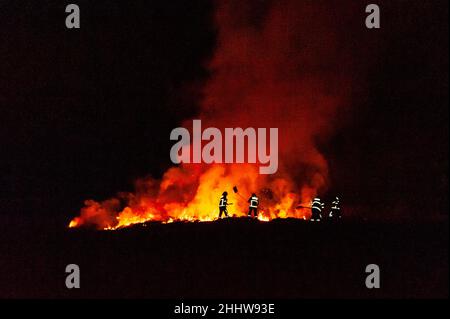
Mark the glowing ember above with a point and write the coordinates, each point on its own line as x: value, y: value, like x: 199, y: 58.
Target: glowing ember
x: 74, y: 222
x: 263, y: 218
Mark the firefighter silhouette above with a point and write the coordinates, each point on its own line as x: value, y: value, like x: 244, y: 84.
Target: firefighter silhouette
x: 253, y: 205
x: 223, y: 203
x: 316, y: 208
x: 335, y: 212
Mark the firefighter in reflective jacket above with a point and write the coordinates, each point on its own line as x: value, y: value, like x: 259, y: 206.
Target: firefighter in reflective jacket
x: 335, y: 212
x: 223, y: 203
x: 253, y: 205
x: 316, y: 208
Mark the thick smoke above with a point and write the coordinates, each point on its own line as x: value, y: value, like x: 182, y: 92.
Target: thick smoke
x: 284, y: 65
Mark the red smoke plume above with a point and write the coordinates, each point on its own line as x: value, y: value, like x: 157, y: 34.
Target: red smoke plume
x: 277, y: 64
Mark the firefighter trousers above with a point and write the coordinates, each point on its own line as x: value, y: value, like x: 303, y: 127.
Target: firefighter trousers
x: 223, y: 210
x: 315, y: 214
x: 252, y: 210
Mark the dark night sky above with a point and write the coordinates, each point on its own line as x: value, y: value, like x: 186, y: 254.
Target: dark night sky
x: 85, y: 112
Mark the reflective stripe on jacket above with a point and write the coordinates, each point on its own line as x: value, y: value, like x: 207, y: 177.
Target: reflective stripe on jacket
x: 254, y: 201
x: 223, y: 202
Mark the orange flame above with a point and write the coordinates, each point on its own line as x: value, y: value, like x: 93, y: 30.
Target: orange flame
x: 190, y: 193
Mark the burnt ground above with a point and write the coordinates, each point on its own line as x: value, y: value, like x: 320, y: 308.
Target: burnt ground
x: 235, y: 258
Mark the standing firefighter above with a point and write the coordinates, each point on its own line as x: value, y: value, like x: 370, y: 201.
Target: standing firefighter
x: 223, y: 203
x: 253, y: 205
x: 335, y: 212
x: 316, y: 208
